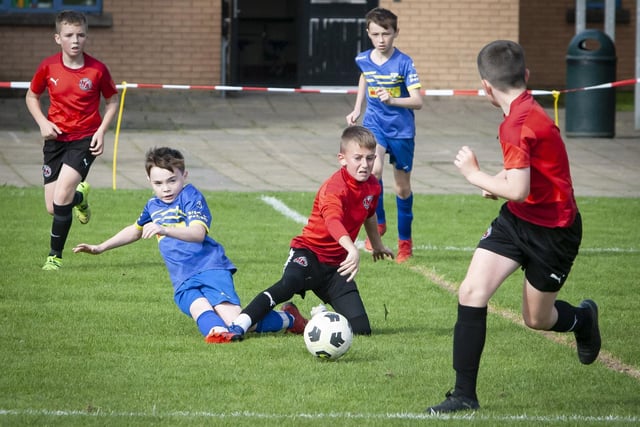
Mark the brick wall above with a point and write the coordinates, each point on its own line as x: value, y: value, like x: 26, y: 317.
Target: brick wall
x: 157, y: 41
x: 444, y: 37
x: 152, y: 41
x: 545, y: 34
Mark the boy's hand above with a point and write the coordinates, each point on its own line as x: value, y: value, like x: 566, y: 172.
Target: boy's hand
x: 97, y: 144
x: 380, y: 253
x: 151, y: 229
x: 383, y: 95
x: 352, y: 118
x: 350, y: 265
x: 49, y: 131
x: 466, y: 162
x: 488, y: 195
x: 90, y: 249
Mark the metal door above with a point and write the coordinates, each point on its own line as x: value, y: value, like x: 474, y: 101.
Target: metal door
x: 293, y: 42
x: 332, y: 33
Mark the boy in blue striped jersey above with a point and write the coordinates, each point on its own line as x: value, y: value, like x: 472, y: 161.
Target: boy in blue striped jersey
x: 201, y: 274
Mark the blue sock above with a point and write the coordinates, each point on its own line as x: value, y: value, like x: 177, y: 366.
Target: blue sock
x: 382, y: 217
x: 405, y: 217
x: 208, y: 320
x: 273, y: 321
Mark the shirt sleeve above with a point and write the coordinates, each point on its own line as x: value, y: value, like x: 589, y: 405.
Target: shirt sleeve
x: 39, y: 81
x: 516, y: 156
x: 197, y: 210
x: 144, y: 217
x: 332, y: 212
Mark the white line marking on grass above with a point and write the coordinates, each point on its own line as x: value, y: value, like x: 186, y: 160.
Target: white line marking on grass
x: 606, y: 358
x: 470, y: 417
x: 471, y: 249
x: 284, y: 209
x: 566, y: 339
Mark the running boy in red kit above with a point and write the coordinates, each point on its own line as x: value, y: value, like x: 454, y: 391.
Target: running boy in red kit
x: 538, y: 229
x: 324, y: 258
x: 73, y: 130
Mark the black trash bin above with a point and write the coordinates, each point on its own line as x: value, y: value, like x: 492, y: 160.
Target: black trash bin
x: 591, y: 60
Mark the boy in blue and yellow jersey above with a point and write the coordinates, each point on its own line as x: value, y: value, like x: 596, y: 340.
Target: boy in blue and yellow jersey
x: 201, y: 274
x: 390, y: 83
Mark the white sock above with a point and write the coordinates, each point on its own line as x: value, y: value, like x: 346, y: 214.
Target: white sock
x: 244, y: 321
x: 218, y: 329
x: 287, y: 319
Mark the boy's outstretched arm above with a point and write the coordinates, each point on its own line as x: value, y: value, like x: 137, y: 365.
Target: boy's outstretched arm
x: 97, y: 141
x: 510, y: 184
x: 412, y: 102
x: 352, y: 117
x: 125, y: 236
x: 48, y: 130
x: 195, y: 232
x: 379, y: 250
x: 351, y: 264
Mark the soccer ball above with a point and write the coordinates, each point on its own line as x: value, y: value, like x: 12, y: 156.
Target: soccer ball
x: 328, y: 335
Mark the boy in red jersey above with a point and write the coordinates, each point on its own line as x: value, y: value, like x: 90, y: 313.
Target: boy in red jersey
x: 73, y: 130
x: 324, y: 258
x: 539, y: 228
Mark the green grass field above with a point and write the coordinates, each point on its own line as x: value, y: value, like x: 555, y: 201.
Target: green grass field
x: 101, y: 342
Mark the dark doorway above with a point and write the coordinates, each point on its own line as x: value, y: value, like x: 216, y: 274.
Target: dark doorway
x: 332, y: 34
x: 290, y: 43
x: 263, y: 41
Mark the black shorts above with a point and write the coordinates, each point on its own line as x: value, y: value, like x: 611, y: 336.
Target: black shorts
x: 545, y: 254
x: 75, y: 154
x: 303, y: 272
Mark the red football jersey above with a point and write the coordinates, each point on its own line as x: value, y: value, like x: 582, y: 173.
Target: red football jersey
x: 341, y: 206
x: 530, y: 139
x: 74, y: 95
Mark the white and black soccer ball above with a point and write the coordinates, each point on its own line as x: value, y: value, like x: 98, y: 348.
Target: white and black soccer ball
x: 328, y: 335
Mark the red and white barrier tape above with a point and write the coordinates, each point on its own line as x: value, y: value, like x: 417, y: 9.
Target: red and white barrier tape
x: 427, y: 92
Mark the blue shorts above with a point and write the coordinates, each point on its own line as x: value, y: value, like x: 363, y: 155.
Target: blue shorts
x: 214, y: 285
x: 400, y: 151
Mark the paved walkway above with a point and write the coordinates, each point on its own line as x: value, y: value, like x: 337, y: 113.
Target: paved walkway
x: 276, y: 141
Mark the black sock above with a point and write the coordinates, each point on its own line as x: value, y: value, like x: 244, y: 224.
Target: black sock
x: 259, y: 307
x: 468, y: 342
x: 77, y: 198
x: 60, y: 227
x: 570, y: 318
x: 567, y: 317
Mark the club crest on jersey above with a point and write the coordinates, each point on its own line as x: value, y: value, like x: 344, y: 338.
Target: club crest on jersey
x: 85, y: 84
x: 301, y: 260
x: 367, y: 202
x: 486, y: 233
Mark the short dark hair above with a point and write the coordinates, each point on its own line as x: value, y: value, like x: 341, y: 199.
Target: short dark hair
x: 72, y: 17
x: 359, y: 134
x: 382, y: 17
x: 164, y: 158
x: 502, y: 64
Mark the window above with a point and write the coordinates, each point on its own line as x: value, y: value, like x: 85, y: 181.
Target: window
x: 599, y: 4
x: 49, y: 6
